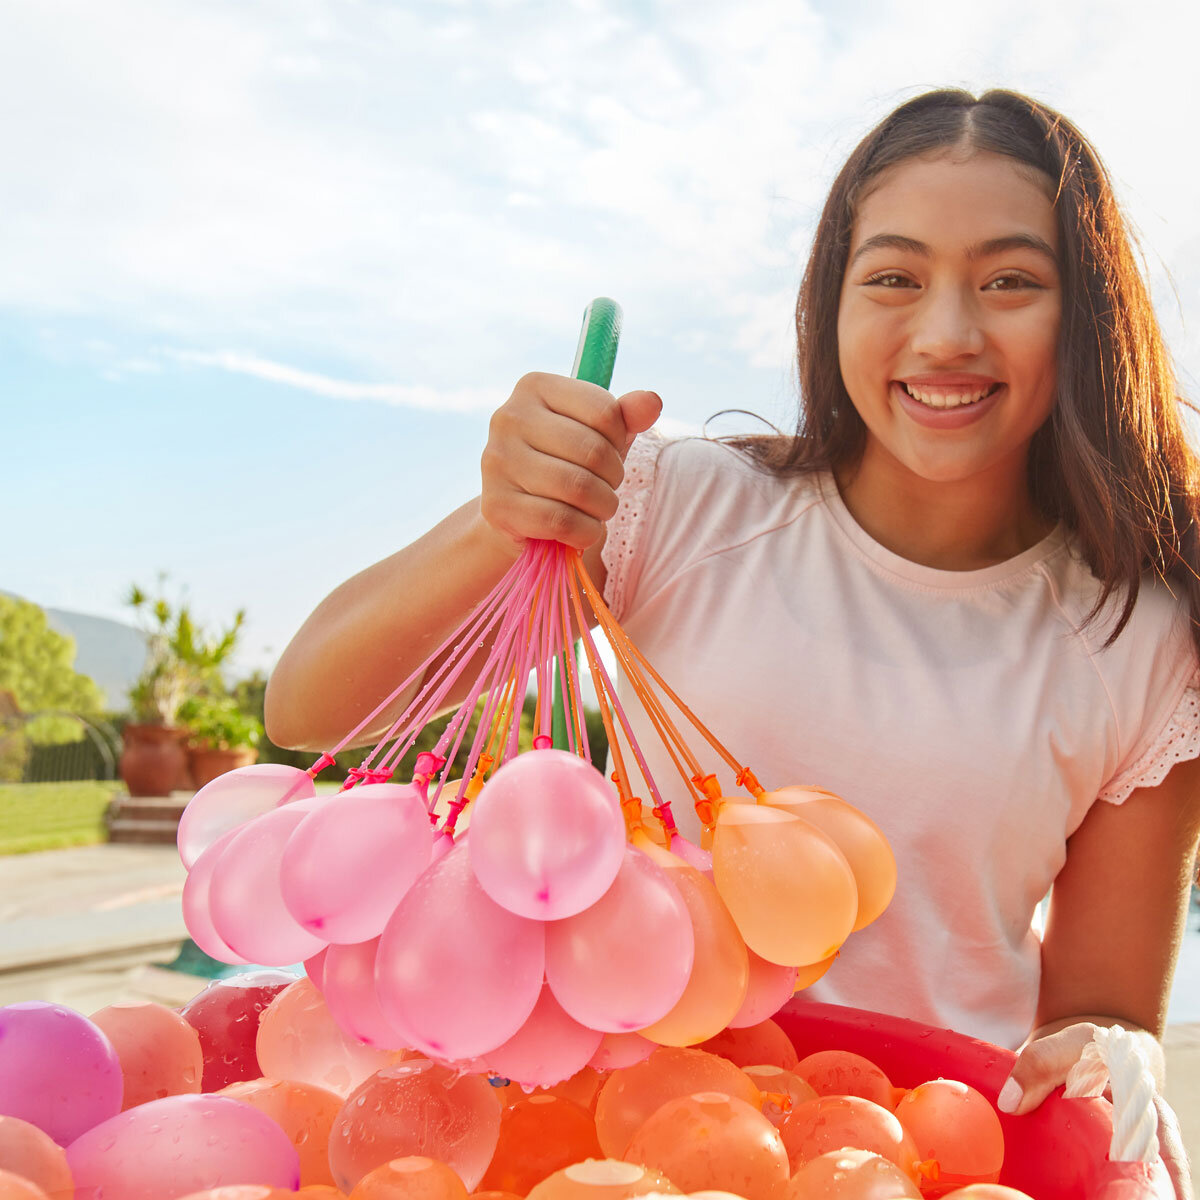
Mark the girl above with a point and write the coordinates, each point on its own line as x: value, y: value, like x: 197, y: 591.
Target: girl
x: 965, y: 595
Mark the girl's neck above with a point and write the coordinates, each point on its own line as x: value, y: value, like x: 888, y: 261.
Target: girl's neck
x: 963, y: 525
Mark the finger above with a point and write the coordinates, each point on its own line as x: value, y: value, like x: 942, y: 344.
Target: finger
x: 639, y: 410
x: 581, y: 401
x: 568, y: 483
x: 570, y: 442
x: 1042, y: 1066
x: 523, y: 516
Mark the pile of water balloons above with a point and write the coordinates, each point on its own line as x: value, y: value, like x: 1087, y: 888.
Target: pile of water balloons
x: 251, y: 1092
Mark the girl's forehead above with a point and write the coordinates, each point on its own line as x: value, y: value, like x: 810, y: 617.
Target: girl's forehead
x: 956, y: 199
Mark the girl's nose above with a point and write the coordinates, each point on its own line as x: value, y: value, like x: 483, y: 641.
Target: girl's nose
x: 946, y: 326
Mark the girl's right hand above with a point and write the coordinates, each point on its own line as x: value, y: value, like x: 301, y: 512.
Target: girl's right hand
x: 555, y: 458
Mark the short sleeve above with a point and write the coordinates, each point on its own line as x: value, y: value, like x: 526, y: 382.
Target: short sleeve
x: 1177, y: 741
x: 622, y: 544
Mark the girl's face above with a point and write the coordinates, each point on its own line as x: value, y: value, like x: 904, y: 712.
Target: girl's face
x: 949, y: 315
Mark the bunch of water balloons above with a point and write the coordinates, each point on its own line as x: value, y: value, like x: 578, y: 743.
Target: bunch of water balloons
x: 512, y: 947
x: 251, y: 1092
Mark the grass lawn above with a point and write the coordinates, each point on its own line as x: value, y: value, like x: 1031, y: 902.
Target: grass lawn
x: 48, y: 816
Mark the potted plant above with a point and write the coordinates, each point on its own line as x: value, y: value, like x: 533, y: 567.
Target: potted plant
x: 220, y: 736
x: 182, y: 660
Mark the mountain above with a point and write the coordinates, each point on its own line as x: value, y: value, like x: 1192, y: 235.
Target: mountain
x: 110, y: 652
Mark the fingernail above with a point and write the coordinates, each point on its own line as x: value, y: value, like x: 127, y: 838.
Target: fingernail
x: 1010, y: 1096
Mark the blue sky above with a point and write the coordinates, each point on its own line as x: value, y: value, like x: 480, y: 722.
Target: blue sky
x: 266, y: 267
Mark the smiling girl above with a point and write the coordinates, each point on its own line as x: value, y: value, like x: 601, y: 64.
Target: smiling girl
x: 965, y: 595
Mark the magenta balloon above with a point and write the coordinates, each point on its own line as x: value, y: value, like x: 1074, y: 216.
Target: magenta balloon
x: 197, y: 915
x: 621, y: 1050
x: 168, y: 1148
x: 349, y: 863
x: 771, y: 987
x: 623, y: 963
x: 349, y: 987
x: 247, y: 908
x: 234, y: 798
x: 58, y: 1071
x: 547, y: 1049
x: 455, y: 971
x: 547, y: 835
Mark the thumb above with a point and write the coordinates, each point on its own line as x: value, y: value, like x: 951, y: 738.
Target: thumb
x: 640, y: 410
x: 1042, y: 1066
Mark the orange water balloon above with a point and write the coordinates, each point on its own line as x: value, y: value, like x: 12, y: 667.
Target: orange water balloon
x: 755, y: 1046
x: 849, y: 1174
x: 583, y: 1087
x: 844, y: 1073
x: 988, y: 1191
x: 17, y: 1187
x: 494, y: 1195
x: 619, y: 1050
x: 789, y: 888
x: 28, y: 1152
x: 539, y: 1136
x: 415, y: 1107
x: 953, y: 1123
x: 781, y: 1091
x: 808, y: 975
x: 303, y: 1111
x: 412, y: 1178
x: 857, y: 837
x: 712, y: 1141
x: 159, y: 1051
x: 629, y: 1096
x: 319, y: 1191
x: 602, y: 1179
x: 832, y: 1122
x: 720, y: 973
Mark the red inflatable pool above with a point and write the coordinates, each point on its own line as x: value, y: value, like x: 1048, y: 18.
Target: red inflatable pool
x: 1057, y: 1152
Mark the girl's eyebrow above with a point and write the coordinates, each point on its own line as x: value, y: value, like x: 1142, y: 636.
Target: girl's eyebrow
x: 996, y: 245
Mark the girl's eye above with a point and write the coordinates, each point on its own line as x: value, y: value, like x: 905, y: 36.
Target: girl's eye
x: 887, y: 279
x: 1011, y: 283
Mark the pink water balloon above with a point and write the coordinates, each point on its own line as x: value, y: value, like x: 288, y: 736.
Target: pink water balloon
x: 58, y: 1071
x: 298, y: 1039
x: 182, y: 1144
x: 455, y: 971
x: 547, y: 835
x: 234, y: 798
x: 416, y: 1108
x: 314, y: 968
x: 771, y: 986
x: 159, y: 1051
x: 197, y: 915
x: 593, y: 967
x: 347, y: 865
x: 244, y: 899
x: 547, y: 1049
x: 348, y: 984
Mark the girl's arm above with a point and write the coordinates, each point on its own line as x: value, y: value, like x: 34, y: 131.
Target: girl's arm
x: 1117, y: 917
x: 550, y: 470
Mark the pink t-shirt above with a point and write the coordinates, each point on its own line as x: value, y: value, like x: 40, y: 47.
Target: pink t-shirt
x: 964, y: 711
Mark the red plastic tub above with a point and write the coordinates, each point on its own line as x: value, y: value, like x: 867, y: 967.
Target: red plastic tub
x: 1057, y: 1152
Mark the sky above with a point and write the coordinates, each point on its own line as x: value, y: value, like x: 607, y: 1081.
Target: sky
x: 268, y: 266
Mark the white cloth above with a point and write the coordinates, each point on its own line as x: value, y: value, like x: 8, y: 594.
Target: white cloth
x: 965, y: 712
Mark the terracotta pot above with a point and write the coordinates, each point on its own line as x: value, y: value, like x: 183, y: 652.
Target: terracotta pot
x: 152, y: 759
x: 206, y: 764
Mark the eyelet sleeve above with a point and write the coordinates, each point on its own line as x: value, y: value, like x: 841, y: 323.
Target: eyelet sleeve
x: 622, y: 543
x: 1177, y: 741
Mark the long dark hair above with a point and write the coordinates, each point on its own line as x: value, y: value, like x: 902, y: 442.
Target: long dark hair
x: 1112, y: 463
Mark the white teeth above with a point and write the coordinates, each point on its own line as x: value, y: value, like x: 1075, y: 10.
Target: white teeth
x: 945, y: 399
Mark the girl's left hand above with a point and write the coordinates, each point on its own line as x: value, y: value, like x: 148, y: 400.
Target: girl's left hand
x: 1043, y: 1064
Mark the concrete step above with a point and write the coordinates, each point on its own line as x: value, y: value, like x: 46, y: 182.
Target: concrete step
x: 146, y: 820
